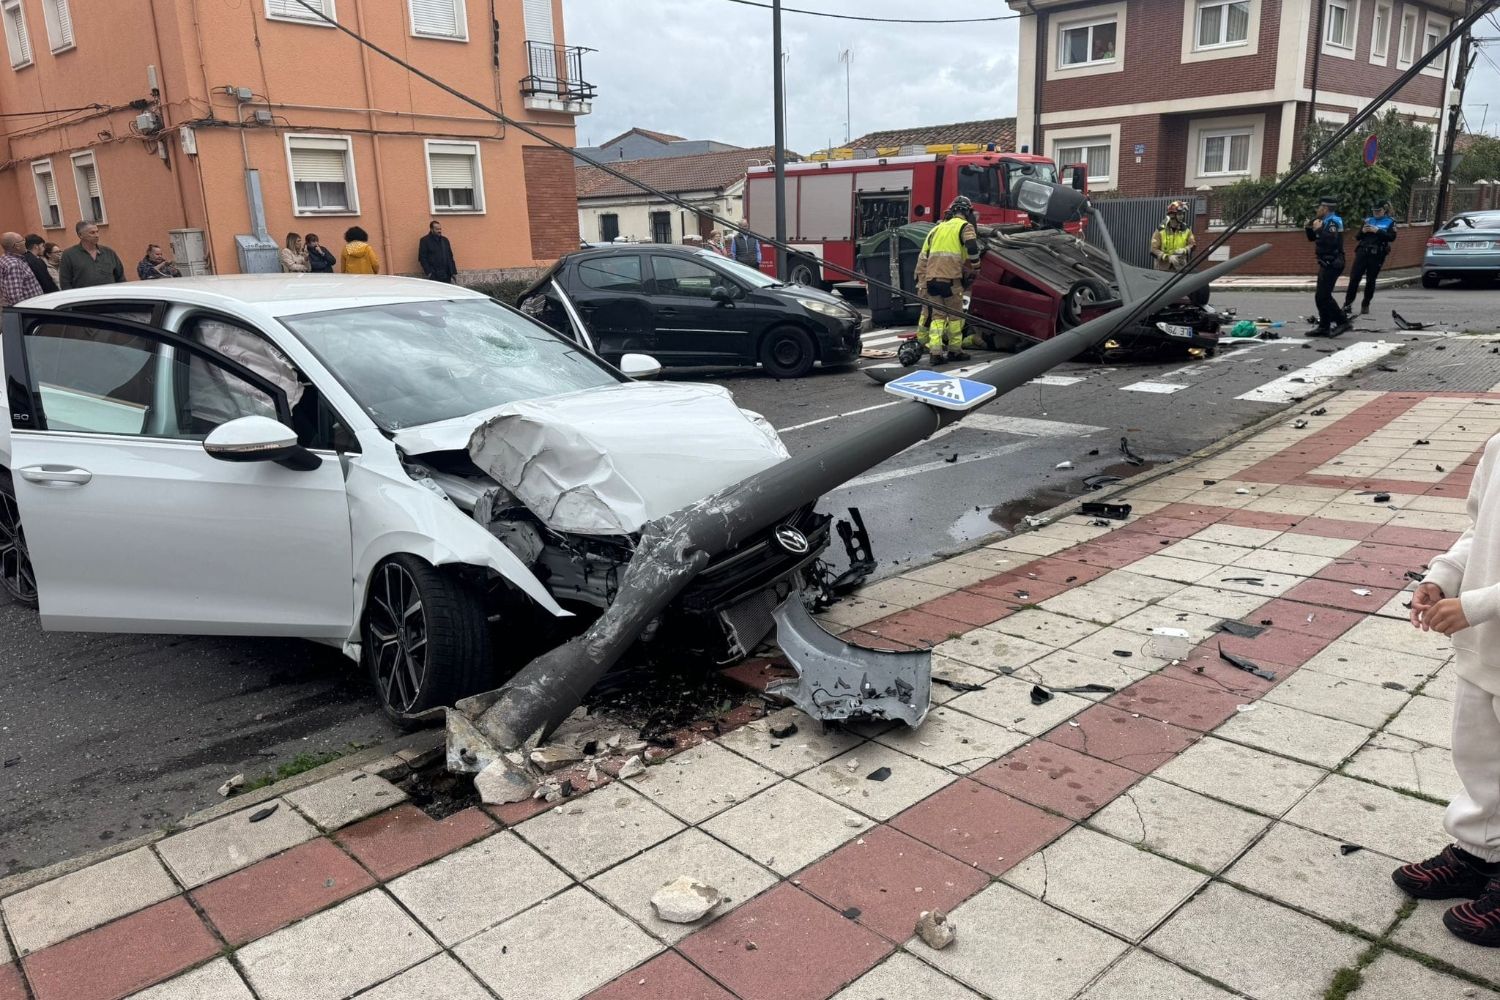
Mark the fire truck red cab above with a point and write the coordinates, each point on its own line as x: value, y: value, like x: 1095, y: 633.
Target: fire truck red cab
x: 833, y: 203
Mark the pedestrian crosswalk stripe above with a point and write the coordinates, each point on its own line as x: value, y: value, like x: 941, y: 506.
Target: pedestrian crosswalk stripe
x: 1164, y: 388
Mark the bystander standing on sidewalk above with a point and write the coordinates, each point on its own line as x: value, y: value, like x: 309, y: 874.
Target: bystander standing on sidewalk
x: 155, y: 265
x: 435, y: 255
x: 293, y: 256
x: 17, y: 282
x: 744, y: 248
x: 52, y: 254
x: 320, y: 259
x: 358, y: 256
x: 89, y: 263
x: 1460, y: 597
x: 36, y: 260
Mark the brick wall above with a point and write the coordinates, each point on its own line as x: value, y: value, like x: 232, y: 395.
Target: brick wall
x: 1291, y: 253
x: 551, y: 202
x: 1154, y: 70
x: 1359, y: 76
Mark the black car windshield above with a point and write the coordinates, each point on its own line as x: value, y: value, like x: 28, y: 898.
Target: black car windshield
x: 741, y: 272
x: 411, y: 363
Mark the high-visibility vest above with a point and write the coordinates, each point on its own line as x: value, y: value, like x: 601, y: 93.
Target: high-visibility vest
x: 1173, y: 240
x: 947, y: 238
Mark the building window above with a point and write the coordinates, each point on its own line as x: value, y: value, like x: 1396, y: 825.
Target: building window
x: 1223, y: 22
x: 439, y: 19
x: 1408, y: 51
x: 538, y: 19
x: 1222, y: 153
x: 291, y: 10
x: 90, y: 196
x: 59, y: 24
x: 1339, y: 21
x: 1433, y: 36
x: 1086, y: 44
x: 1380, y: 34
x: 455, y: 177
x: 609, y: 227
x: 1096, y: 151
x: 16, y: 38
x: 661, y: 227
x: 322, y: 169
x: 46, y: 194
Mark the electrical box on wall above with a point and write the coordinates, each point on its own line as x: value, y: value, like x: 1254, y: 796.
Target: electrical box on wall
x: 189, y: 140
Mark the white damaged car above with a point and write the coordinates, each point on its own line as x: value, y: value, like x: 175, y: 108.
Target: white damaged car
x: 408, y: 470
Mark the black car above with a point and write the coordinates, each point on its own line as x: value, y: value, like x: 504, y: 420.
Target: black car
x: 687, y: 306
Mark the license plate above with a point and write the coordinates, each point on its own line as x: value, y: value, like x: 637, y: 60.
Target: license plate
x: 1474, y: 245
x: 1174, y: 330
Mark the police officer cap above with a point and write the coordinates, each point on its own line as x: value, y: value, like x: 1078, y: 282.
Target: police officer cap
x: 1328, y: 200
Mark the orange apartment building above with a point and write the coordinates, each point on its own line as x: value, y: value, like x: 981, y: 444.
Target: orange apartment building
x: 159, y: 119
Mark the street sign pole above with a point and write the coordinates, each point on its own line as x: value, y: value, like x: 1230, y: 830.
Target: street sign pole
x: 1455, y: 116
x: 778, y: 85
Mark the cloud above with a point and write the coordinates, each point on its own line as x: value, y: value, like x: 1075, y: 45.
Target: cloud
x: 702, y: 68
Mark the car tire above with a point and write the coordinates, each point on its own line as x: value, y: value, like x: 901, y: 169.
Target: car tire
x: 16, y: 575
x: 426, y: 638
x: 787, y: 352
x: 803, y: 271
x: 1430, y: 279
x: 1079, y: 296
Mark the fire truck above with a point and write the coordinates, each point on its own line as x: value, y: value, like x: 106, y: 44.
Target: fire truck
x: 837, y: 199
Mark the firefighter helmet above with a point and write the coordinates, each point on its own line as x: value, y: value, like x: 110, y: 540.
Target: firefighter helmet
x: 961, y: 206
x: 1177, y: 207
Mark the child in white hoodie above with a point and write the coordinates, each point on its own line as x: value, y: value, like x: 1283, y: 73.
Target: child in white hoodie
x: 1460, y: 597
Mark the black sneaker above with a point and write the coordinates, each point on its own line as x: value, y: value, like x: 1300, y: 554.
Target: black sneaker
x: 1321, y: 331
x: 937, y: 359
x: 958, y: 356
x: 1364, y: 309
x: 1453, y: 874
x: 1343, y: 327
x: 1477, y: 922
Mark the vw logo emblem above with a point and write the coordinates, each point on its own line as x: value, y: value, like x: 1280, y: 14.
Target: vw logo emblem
x: 792, y: 540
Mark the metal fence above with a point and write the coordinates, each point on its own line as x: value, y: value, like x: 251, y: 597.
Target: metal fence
x: 1131, y: 222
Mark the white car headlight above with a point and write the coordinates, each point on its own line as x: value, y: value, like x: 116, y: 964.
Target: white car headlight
x: 824, y: 308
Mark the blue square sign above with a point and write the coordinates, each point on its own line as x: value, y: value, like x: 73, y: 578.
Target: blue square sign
x: 951, y: 392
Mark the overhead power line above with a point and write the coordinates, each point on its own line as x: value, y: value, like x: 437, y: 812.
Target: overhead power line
x: 52, y: 111
x: 880, y: 20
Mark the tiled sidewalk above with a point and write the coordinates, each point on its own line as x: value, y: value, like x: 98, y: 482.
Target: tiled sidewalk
x: 1182, y: 836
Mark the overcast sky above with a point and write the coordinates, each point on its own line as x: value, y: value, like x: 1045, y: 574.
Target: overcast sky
x: 702, y: 69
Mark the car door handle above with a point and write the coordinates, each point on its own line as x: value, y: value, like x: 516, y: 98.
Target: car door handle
x: 52, y: 475
x: 666, y: 311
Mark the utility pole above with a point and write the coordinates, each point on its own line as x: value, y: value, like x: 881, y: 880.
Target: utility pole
x: 847, y: 57
x: 778, y: 84
x: 1455, y: 114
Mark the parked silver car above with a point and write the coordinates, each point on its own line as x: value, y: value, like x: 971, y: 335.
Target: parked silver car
x: 1467, y: 247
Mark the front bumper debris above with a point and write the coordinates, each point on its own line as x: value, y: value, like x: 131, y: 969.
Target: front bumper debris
x: 837, y: 681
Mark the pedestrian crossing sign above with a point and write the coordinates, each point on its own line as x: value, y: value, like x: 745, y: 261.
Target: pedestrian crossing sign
x: 951, y: 392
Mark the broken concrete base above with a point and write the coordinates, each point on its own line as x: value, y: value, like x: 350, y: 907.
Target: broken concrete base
x: 502, y: 783
x: 685, y: 900
x: 934, y: 929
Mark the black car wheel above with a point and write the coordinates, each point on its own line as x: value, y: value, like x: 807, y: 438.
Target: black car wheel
x: 426, y: 638
x: 1082, y: 294
x: 787, y: 352
x: 1430, y: 279
x: 801, y: 271
x: 16, y: 574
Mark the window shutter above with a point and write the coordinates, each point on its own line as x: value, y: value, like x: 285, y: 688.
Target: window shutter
x: 91, y: 177
x: 452, y: 170
x: 291, y: 8
x: 436, y: 17
x: 15, y: 35
x: 539, y: 22
x: 319, y: 160
x: 49, y: 186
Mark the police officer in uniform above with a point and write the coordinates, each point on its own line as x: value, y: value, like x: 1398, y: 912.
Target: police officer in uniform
x: 950, y: 257
x: 1326, y: 233
x: 1372, y: 244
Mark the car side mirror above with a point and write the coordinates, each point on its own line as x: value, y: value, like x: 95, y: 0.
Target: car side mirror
x: 259, y: 439
x: 640, y: 366
x: 722, y: 295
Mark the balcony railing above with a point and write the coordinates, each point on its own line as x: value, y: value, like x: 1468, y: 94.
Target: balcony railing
x: 555, y: 72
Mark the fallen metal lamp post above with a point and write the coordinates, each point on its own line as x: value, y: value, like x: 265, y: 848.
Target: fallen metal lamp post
x: 674, y: 550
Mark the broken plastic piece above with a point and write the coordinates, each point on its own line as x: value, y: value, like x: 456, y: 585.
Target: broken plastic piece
x: 838, y: 681
x: 265, y: 813
x: 1123, y: 653
x: 1240, y: 629
x: 1320, y: 411
x: 1420, y: 441
x: 879, y: 774
x: 1362, y: 591
x: 1382, y: 498
x: 780, y: 731
x: 1297, y: 425
x: 1063, y: 465
x: 1254, y: 581
x: 1040, y: 695
x: 1248, y: 666
x: 1130, y: 456
x: 1113, y: 511
x: 1402, y: 323
x: 1348, y: 849
x: 957, y: 685
x: 1086, y: 689
x: 1099, y: 482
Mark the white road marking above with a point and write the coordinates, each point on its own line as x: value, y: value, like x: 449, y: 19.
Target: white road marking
x: 1299, y: 383
x: 937, y: 466
x: 1057, y: 380
x: 1023, y: 426
x: 1163, y: 388
x: 839, y: 416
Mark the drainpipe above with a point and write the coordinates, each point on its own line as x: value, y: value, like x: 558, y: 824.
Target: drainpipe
x: 1039, y: 75
x: 1312, y: 108
x: 385, y: 227
x: 162, y: 110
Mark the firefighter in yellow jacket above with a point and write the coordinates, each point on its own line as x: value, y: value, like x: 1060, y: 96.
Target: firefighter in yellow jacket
x: 949, y: 258
x: 1173, y: 243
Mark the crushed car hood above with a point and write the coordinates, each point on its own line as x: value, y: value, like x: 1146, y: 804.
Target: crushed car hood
x: 608, y: 461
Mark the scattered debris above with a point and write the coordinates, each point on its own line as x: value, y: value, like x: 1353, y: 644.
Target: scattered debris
x: 1099, y: 482
x: 1168, y: 644
x: 1382, y: 498
x: 1040, y: 695
x: 1320, y: 411
x: 231, y: 786
x: 1402, y: 323
x: 1123, y: 653
x: 1248, y: 666
x: 1112, y: 511
x: 1246, y: 708
x: 879, y: 774
x: 555, y: 758
x: 1393, y: 686
x: 1297, y: 425
x: 1210, y: 482
x: 1362, y: 591
x: 851, y: 913
x: 1086, y: 689
x: 1240, y: 629
x: 503, y: 782
x: 1440, y: 468
x: 1420, y: 441
x: 1348, y: 849
x: 957, y: 685
x: 1063, y: 465
x: 632, y: 767
x: 1093, y: 452
x: 1243, y: 491
x: 1254, y: 581
x: 934, y: 928
x: 781, y: 730
x: 685, y: 900
x: 1385, y: 368
x: 265, y: 813
x: 951, y: 458
x: 1130, y: 456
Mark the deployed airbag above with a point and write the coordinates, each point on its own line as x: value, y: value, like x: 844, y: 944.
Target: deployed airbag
x: 607, y: 461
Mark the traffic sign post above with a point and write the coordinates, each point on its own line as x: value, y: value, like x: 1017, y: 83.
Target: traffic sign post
x: 951, y: 392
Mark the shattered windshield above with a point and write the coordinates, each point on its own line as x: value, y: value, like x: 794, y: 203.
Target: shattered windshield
x: 413, y: 363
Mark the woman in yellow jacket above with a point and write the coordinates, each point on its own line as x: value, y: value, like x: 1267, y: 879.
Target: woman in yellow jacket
x: 358, y: 257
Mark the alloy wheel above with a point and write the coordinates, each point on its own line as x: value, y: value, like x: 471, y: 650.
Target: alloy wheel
x: 398, y: 638
x: 16, y: 574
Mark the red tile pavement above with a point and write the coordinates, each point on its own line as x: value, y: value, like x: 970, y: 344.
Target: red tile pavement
x: 257, y: 900
x: 1100, y: 554
x: 120, y: 958
x: 1125, y: 540
x: 1326, y: 623
x: 1017, y: 590
x: 668, y: 976
x: 917, y: 628
x: 1167, y: 527
x: 1192, y: 706
x: 402, y: 838
x: 1329, y: 527
x: 1418, y: 538
x: 1373, y: 551
x: 1282, y: 647
x: 1197, y: 512
x: 785, y: 945
x: 1058, y: 571
x: 1391, y: 576
x: 1138, y: 743
x: 869, y: 640
x: 1337, y: 594
x: 1204, y: 667
x: 971, y: 609
x: 980, y: 826
x: 11, y: 986
x: 1057, y: 778
x: 519, y: 812
x: 889, y: 878
x: 758, y: 673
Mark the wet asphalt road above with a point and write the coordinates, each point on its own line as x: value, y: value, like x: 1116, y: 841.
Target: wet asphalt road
x: 105, y: 737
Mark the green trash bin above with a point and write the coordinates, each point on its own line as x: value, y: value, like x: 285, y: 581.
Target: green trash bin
x: 874, y: 260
